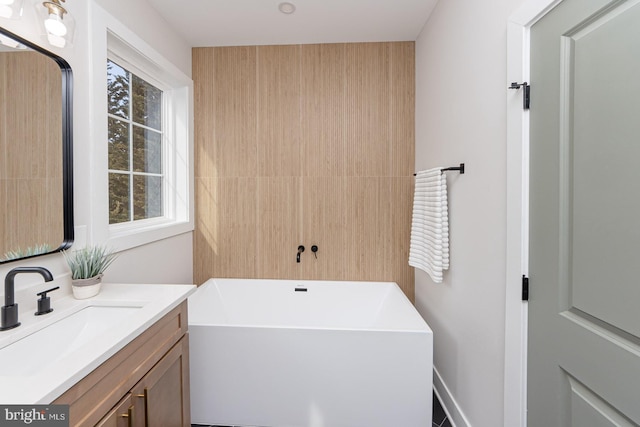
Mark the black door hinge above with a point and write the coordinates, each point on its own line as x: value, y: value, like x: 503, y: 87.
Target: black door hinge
x: 526, y: 93
x: 525, y: 288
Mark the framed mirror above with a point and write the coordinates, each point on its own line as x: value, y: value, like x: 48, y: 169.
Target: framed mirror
x: 36, y: 158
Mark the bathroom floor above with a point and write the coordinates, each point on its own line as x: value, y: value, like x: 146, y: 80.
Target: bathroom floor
x: 439, y: 416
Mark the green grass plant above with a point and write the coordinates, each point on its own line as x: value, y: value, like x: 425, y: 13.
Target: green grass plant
x: 90, y: 261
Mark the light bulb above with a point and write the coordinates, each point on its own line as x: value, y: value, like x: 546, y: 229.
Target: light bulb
x: 5, y: 11
x: 57, y: 41
x: 9, y: 42
x: 55, y: 26
x: 7, y: 2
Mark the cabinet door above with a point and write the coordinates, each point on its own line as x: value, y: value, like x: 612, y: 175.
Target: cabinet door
x: 166, y: 389
x: 122, y: 415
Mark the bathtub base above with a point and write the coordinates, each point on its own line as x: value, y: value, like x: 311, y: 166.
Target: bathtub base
x: 295, y: 377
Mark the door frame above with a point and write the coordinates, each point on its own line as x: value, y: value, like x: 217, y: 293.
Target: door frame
x: 517, y: 260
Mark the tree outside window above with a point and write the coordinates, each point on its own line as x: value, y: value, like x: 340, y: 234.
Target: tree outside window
x: 135, y: 139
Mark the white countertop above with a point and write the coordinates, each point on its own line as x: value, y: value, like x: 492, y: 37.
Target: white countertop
x: 43, y: 384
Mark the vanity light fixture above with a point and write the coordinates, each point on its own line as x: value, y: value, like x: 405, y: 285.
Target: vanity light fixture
x: 58, y: 23
x: 11, y: 9
x: 287, y: 8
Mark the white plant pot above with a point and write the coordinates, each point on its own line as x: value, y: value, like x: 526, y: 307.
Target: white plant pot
x: 86, y: 288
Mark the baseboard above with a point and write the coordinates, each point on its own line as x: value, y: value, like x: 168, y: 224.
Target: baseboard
x: 449, y: 404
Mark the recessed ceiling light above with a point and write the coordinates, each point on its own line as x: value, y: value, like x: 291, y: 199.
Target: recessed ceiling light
x: 287, y: 8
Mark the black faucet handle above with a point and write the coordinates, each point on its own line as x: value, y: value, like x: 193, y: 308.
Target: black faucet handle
x: 44, y: 303
x: 43, y: 294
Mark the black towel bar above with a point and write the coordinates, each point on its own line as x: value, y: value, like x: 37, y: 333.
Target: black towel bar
x: 452, y: 168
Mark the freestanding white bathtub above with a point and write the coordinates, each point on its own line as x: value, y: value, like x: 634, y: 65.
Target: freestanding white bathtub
x: 280, y: 353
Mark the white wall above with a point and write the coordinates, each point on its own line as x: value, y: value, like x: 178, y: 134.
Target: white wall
x: 461, y: 117
x: 166, y: 261
x: 140, y: 17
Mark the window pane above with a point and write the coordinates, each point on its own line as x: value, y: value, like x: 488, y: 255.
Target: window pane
x: 118, y: 198
x: 135, y: 147
x: 118, y: 145
x: 147, y: 197
x: 147, y: 104
x: 118, y: 89
x: 147, y: 150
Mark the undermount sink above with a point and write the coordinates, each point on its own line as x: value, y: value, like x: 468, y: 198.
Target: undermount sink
x: 44, y: 347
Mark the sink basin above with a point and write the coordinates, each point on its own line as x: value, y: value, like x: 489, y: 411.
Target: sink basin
x: 44, y: 347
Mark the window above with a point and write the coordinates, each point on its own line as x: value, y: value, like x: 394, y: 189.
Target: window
x: 136, y: 145
x: 142, y: 157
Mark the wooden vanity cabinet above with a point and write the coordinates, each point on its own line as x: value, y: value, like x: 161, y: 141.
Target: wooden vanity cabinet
x: 144, y: 384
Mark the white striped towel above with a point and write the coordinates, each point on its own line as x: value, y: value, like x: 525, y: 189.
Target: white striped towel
x: 429, y: 247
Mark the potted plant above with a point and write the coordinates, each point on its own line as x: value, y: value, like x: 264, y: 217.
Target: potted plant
x: 87, y: 266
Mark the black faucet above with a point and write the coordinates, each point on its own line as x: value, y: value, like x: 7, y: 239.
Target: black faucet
x: 9, y: 310
x: 300, y: 250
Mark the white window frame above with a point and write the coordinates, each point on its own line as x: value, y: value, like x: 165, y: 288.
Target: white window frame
x: 167, y: 172
x: 116, y: 42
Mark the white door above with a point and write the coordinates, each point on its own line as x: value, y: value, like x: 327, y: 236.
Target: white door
x: 584, y: 307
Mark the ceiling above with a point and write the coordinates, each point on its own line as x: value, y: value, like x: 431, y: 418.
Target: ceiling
x: 259, y: 22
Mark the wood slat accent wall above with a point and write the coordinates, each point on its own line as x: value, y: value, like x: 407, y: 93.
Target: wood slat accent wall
x: 30, y: 151
x: 304, y: 144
